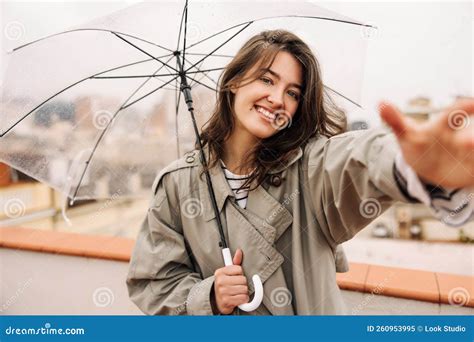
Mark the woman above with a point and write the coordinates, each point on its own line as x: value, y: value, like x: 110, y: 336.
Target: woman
x: 289, y: 186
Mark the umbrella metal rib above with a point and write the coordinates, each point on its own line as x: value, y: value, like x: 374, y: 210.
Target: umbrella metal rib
x: 344, y: 97
x: 163, y: 75
x: 181, y: 72
x: 89, y: 29
x: 221, y: 45
x: 204, y: 72
x: 146, y: 53
x: 121, y: 35
x: 110, y: 122
x: 95, y: 76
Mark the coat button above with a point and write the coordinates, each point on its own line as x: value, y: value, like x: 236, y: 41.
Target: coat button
x: 276, y: 180
x: 189, y: 157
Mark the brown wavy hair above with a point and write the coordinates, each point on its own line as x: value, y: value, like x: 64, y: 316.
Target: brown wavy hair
x: 316, y: 114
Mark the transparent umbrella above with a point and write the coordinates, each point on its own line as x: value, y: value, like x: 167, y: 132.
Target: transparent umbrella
x: 96, y: 111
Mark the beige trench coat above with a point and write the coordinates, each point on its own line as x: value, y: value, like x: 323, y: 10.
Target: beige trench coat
x: 289, y: 231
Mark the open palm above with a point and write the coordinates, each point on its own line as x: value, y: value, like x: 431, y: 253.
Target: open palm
x: 441, y: 151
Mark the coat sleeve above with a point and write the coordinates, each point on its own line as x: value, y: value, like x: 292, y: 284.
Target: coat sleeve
x: 350, y: 179
x: 161, y: 278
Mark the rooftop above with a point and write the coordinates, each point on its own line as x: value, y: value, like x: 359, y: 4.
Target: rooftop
x: 420, y: 287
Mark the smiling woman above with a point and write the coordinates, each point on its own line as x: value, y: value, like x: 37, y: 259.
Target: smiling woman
x: 260, y: 116
x: 286, y: 194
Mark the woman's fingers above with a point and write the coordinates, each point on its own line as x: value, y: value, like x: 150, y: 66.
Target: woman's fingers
x: 230, y: 290
x: 236, y: 290
x: 239, y: 299
x: 466, y: 105
x: 394, y: 118
x: 232, y: 270
x: 439, y: 150
x: 456, y: 117
x: 234, y: 280
x: 237, y: 260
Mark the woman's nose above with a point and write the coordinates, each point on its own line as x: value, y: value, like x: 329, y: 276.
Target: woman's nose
x: 276, y: 99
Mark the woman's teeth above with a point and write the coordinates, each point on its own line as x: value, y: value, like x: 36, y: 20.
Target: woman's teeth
x: 266, y: 113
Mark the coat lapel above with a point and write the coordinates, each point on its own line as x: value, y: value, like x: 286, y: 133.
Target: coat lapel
x: 260, y: 257
x: 274, y: 217
x: 255, y: 230
x: 269, y: 216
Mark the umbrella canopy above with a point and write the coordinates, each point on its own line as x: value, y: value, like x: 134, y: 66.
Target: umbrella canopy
x: 96, y: 111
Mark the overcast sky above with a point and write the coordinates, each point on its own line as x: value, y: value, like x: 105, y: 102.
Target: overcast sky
x: 421, y: 48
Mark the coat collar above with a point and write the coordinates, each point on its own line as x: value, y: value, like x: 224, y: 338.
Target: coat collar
x: 297, y: 154
x: 222, y: 190
x: 255, y: 229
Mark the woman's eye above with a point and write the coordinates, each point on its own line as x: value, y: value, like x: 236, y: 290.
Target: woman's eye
x: 294, y: 94
x: 266, y: 80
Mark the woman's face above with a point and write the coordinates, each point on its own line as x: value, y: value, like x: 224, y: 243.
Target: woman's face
x: 268, y: 104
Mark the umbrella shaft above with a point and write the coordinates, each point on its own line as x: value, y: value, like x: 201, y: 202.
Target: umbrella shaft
x: 186, y: 90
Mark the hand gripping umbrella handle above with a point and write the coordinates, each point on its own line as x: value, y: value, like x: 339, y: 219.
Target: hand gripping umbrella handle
x: 257, y: 284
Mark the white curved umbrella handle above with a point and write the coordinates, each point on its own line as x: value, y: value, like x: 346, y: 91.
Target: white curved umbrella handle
x: 257, y: 284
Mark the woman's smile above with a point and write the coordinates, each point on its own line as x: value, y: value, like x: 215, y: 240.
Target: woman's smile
x: 265, y: 114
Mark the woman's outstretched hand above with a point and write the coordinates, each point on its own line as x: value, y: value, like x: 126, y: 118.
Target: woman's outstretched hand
x: 440, y: 151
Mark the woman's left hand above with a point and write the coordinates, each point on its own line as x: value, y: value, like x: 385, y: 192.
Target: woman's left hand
x: 440, y: 151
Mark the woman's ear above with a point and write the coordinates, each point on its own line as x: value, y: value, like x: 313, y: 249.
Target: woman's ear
x: 233, y: 88
x: 235, y: 84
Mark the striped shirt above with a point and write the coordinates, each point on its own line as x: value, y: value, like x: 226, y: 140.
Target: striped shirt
x: 235, y: 182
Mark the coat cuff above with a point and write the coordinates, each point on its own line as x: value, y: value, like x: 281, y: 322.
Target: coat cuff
x: 198, y: 301
x: 452, y: 206
x: 408, y: 182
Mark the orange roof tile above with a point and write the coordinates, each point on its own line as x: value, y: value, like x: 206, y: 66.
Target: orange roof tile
x: 93, y: 246
x: 381, y: 280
